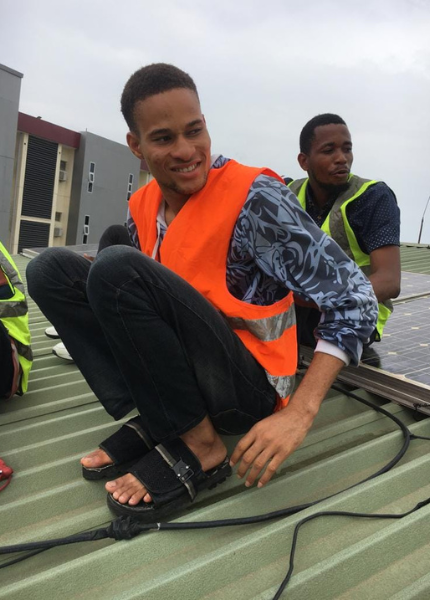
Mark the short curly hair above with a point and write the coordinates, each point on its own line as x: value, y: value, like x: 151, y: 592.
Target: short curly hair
x: 307, y: 134
x: 149, y: 81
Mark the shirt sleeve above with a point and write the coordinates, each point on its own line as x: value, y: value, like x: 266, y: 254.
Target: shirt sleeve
x: 132, y: 230
x: 289, y: 247
x: 375, y: 218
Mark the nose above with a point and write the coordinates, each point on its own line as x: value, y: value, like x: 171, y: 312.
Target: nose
x: 341, y: 157
x: 183, y: 148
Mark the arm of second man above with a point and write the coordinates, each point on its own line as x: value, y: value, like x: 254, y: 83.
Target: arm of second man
x: 385, y: 272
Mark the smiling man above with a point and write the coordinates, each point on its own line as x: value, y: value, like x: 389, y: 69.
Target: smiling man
x: 360, y: 214
x: 195, y: 326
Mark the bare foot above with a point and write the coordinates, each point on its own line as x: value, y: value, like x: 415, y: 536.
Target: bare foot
x: 96, y: 459
x: 202, y: 440
x: 206, y: 444
x: 128, y: 489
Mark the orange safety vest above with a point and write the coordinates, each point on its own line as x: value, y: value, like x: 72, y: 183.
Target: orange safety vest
x: 196, y: 247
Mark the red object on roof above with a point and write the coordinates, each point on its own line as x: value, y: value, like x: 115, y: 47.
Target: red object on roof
x: 5, y: 474
x: 48, y: 131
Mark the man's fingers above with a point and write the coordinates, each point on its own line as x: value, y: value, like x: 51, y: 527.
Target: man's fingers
x: 271, y: 469
x: 260, y: 461
x: 241, y: 447
x: 248, y: 459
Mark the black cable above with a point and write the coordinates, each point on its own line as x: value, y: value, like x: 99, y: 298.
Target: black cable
x: 21, y: 558
x: 126, y: 528
x: 419, y: 437
x: 337, y: 513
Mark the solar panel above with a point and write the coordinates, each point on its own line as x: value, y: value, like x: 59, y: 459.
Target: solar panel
x: 405, y: 346
x: 398, y: 367
x: 413, y: 285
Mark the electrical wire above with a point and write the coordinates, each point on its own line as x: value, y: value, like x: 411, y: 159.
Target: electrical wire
x: 127, y: 528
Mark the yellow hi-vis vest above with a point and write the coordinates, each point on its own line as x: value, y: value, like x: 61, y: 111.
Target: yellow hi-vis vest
x: 337, y: 226
x: 14, y: 316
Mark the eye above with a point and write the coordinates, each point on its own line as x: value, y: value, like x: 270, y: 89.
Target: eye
x: 162, y: 139
x: 196, y: 131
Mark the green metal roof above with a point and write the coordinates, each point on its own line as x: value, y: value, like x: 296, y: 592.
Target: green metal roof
x: 415, y: 258
x: 44, y: 433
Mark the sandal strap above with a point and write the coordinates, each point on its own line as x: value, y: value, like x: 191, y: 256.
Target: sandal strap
x: 167, y: 468
x: 128, y: 442
x: 183, y: 471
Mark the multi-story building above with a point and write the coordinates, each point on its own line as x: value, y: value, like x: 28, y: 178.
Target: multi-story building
x: 58, y: 187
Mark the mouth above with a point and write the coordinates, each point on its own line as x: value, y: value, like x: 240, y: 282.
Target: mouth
x: 341, y: 172
x: 188, y: 169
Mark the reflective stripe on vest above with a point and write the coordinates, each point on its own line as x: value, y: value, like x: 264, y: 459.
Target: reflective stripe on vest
x: 14, y: 316
x: 268, y: 332
x: 338, y: 227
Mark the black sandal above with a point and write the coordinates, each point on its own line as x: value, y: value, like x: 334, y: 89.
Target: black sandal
x: 124, y: 447
x: 173, y: 476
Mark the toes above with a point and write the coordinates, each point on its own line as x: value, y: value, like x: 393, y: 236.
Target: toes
x: 127, y: 489
x: 98, y: 458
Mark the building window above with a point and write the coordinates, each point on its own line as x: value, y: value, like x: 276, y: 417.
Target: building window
x: 62, y: 176
x: 91, y: 174
x: 130, y: 186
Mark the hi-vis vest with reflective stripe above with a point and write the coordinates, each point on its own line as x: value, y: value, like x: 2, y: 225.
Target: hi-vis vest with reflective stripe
x: 196, y: 247
x: 337, y: 226
x: 14, y: 316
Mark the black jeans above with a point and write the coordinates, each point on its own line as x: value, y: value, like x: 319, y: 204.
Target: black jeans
x: 144, y: 338
x: 114, y: 235
x: 6, y: 362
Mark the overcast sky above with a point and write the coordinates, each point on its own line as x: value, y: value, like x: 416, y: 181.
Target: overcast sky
x: 262, y: 69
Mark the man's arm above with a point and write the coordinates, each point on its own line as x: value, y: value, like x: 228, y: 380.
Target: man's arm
x: 289, y: 248
x: 273, y: 439
x: 385, y: 272
x: 292, y: 253
x: 375, y: 220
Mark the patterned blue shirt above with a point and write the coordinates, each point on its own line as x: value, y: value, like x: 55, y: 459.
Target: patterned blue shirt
x: 276, y: 248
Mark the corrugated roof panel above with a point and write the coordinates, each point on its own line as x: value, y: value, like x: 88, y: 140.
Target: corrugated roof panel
x: 43, y: 435
x: 415, y: 258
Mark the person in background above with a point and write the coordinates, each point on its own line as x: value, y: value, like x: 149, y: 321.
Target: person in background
x: 360, y: 214
x: 15, y: 350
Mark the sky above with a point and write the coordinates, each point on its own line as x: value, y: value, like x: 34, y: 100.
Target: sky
x: 263, y: 69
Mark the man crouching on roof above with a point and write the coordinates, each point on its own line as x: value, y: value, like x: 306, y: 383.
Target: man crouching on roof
x: 195, y: 325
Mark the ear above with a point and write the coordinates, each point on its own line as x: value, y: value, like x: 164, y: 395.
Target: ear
x: 134, y: 144
x: 303, y: 161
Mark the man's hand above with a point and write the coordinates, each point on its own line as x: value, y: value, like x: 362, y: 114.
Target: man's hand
x: 273, y: 439
x: 269, y: 442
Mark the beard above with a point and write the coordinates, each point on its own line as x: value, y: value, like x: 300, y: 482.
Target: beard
x: 332, y: 189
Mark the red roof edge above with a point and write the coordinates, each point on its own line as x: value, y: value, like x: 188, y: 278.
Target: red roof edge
x: 48, y: 131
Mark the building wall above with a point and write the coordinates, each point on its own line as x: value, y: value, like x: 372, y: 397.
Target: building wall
x: 99, y: 193
x: 42, y: 190
x: 10, y: 87
x: 49, y: 195
x: 62, y: 198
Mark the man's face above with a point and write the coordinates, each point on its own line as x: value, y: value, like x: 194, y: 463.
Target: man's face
x: 330, y: 158
x: 174, y: 141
